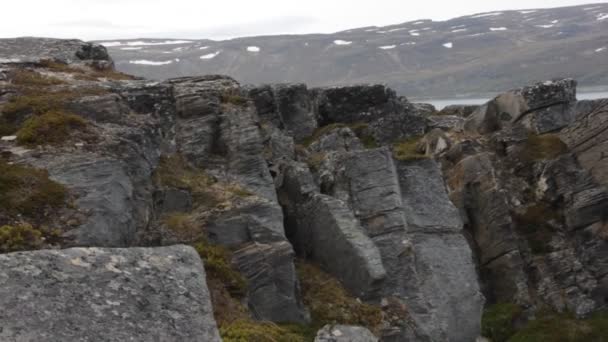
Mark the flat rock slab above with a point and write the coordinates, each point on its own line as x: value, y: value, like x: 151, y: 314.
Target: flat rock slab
x: 101, y: 294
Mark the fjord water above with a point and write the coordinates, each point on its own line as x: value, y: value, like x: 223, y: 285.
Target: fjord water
x: 441, y: 103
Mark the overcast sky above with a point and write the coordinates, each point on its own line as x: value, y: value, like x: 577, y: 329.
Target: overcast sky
x: 221, y: 19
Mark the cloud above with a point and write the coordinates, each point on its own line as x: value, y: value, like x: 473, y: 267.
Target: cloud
x: 277, y: 25
x: 112, y: 19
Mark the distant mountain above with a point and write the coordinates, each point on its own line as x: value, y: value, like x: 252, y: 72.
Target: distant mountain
x: 475, y: 54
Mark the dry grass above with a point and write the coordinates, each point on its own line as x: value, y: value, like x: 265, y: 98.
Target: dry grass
x: 408, y: 150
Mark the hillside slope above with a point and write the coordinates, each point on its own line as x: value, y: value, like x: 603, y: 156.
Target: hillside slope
x: 482, y: 53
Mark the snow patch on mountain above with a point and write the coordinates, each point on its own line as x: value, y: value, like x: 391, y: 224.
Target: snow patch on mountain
x: 342, y: 42
x: 210, y: 55
x: 147, y: 62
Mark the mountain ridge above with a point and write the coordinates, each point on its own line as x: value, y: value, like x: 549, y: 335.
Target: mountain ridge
x: 480, y: 53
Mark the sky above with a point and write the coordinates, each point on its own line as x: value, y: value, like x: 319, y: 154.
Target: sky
x: 221, y: 19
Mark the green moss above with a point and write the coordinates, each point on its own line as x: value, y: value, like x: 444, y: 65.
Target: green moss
x: 497, y: 322
x: 49, y: 128
x: 359, y: 128
x: 408, y: 149
x: 20, y: 237
x: 315, y: 160
x: 234, y: 99
x: 542, y: 147
x: 564, y: 328
x: 28, y: 191
x: 329, y: 302
x: 217, y: 266
x: 251, y: 331
x: 174, y: 171
x: 533, y: 225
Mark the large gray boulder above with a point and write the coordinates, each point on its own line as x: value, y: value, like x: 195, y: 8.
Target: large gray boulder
x: 404, y: 208
x: 96, y: 294
x: 324, y: 229
x: 587, y: 136
x: 511, y: 107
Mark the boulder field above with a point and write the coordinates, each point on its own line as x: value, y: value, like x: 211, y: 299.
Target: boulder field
x: 113, y: 188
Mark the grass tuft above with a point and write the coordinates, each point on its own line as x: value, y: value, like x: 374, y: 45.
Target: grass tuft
x: 330, y: 303
x: 251, y: 331
x: 50, y: 128
x: 542, y: 147
x: 28, y: 191
x: 408, y: 149
x: 218, y: 266
x: 21, y: 237
x: 564, y: 328
x: 497, y: 322
x: 359, y: 128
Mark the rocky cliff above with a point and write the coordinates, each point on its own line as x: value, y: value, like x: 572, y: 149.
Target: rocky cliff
x: 344, y: 207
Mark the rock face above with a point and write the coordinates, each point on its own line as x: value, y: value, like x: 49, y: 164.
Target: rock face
x: 534, y: 202
x: 418, y: 213
x: 135, y: 294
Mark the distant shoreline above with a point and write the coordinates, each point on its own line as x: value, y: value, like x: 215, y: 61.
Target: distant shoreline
x: 584, y: 93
